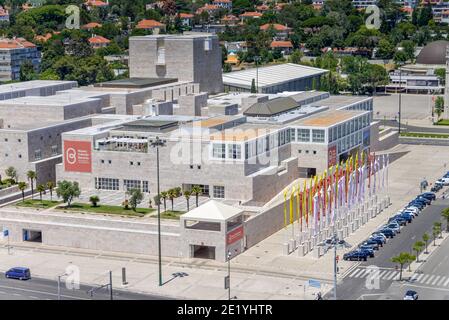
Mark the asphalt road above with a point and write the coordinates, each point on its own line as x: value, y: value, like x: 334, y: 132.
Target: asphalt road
x: 407, y: 128
x: 43, y: 289
x: 357, y: 283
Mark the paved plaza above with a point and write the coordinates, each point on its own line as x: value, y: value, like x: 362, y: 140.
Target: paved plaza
x: 413, y: 107
x: 261, y: 272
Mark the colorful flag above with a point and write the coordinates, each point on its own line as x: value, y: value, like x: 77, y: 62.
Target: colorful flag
x: 285, y: 208
x: 292, y: 195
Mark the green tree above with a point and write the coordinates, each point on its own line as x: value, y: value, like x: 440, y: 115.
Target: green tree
x: 68, y: 190
x: 27, y: 71
x: 296, y: 57
x: 417, y: 247
x: 439, y: 106
x: 435, y: 234
x: 94, y: 200
x: 136, y: 197
x: 41, y: 189
x: 402, y: 259
x: 196, y: 190
x: 164, y: 195
x: 171, y: 196
x: 426, y: 238
x: 441, y: 74
x: 157, y: 200
x: 385, y: 49
x: 11, y: 173
x: 22, y: 186
x: 50, y: 187
x: 439, y: 226
x: 445, y: 215
x: 31, y: 175
x: 253, y: 86
x: 187, y: 194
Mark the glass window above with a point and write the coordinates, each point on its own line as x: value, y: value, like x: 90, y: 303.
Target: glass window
x: 145, y: 187
x: 219, y: 192
x: 106, y: 183
x: 54, y: 150
x: 317, y: 135
x: 38, y: 154
x: 335, y: 134
x: 218, y: 150
x: 234, y: 151
x: 131, y: 184
x: 339, y: 131
x: 304, y: 135
x: 330, y: 135
x: 292, y: 134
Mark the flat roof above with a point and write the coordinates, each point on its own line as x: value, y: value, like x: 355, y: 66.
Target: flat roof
x: 54, y: 100
x: 271, y: 75
x: 244, y: 132
x: 336, y: 102
x: 33, y: 84
x: 135, y: 83
x: 328, y: 118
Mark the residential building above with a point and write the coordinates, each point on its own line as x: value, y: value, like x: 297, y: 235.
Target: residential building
x: 230, y: 20
x: 281, y: 32
x: 250, y: 15
x: 151, y: 25
x: 285, y: 47
x: 186, y: 19
x: 4, y: 15
x: 97, y: 42
x: 224, y: 4
x: 13, y: 53
x: 91, y: 25
x: 211, y: 9
x: 96, y: 4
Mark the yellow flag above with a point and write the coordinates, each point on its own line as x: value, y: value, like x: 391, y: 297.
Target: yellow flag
x: 285, y: 208
x: 292, y: 195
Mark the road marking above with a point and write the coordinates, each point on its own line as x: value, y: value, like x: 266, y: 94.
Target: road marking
x: 419, y: 277
x: 436, y: 280
x: 441, y: 281
x: 395, y: 273
x: 424, y: 278
x: 430, y: 279
x: 356, y: 271
x: 425, y: 287
x: 446, y: 283
x: 16, y: 294
x: 390, y: 275
x: 33, y: 297
x: 41, y: 292
x: 384, y: 272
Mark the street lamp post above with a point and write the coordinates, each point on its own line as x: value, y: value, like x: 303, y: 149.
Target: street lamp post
x: 335, y: 266
x: 229, y: 275
x: 156, y: 143
x: 257, y: 59
x: 59, y: 284
x: 400, y: 98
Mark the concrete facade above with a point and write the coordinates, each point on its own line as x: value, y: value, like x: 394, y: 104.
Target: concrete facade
x: 194, y: 58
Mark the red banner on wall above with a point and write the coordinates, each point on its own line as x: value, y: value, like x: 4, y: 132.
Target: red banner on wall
x: 332, y: 156
x: 234, y: 235
x: 78, y: 156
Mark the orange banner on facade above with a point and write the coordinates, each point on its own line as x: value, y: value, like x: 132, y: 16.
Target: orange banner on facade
x: 78, y: 156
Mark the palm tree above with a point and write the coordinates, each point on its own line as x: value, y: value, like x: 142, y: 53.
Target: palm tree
x: 417, y: 247
x: 402, y: 259
x: 31, y: 175
x: 22, y: 186
x: 187, y: 194
x: 50, y: 187
x: 426, y: 239
x: 196, y: 190
x: 94, y: 200
x: 445, y: 215
x: 435, y: 233
x: 171, y: 195
x: 164, y: 195
x: 439, y: 226
x: 40, y: 188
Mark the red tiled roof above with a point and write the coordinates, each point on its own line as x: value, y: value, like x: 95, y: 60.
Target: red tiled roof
x: 281, y: 44
x: 15, y: 43
x: 186, y: 15
x: 251, y: 14
x: 230, y: 17
x: 148, y: 24
x: 44, y: 38
x: 91, y: 25
x: 276, y: 26
x: 98, y: 39
x: 263, y: 7
x: 222, y: 1
x: 96, y: 3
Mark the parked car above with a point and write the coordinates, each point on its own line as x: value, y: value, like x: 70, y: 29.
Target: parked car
x: 356, y: 255
x: 379, y: 235
x: 372, y: 244
x: 20, y: 273
x: 368, y: 249
x: 379, y: 239
x: 407, y: 216
x: 394, y: 226
x: 429, y: 195
x: 420, y: 205
x: 412, y: 208
x: 387, y: 232
x: 425, y: 200
x: 445, y: 181
x: 399, y: 219
x: 411, y: 295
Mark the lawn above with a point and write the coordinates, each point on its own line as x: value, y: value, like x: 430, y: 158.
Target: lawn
x: 425, y: 135
x: 35, y: 203
x: 119, y: 210
x: 443, y: 122
x: 170, y: 214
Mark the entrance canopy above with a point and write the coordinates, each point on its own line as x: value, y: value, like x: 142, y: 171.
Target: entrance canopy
x: 212, y: 211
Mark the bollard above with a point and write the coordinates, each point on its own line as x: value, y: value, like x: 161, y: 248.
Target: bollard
x: 124, y: 282
x: 285, y: 249
x: 301, y: 250
x: 292, y: 244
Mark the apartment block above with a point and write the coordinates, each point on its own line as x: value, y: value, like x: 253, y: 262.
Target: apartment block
x: 15, y: 52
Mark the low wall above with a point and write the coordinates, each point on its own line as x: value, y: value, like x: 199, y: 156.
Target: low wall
x: 91, y: 232
x: 7, y: 191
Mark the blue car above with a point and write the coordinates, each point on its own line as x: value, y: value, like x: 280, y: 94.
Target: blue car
x: 425, y: 200
x: 387, y: 232
x: 357, y: 255
x: 407, y: 216
x: 368, y: 249
x: 399, y: 219
x: 19, y: 273
x: 417, y: 204
x: 428, y: 195
x: 379, y: 240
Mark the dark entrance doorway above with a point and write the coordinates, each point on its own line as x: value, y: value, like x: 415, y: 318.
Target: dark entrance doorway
x: 204, y: 252
x: 32, y: 235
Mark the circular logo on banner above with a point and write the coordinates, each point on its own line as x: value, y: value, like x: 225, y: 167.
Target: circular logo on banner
x: 71, y: 156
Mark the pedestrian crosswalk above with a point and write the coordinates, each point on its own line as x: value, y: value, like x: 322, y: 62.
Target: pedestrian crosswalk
x: 390, y: 275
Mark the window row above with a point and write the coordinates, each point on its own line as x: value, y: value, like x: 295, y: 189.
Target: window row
x: 114, y: 184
